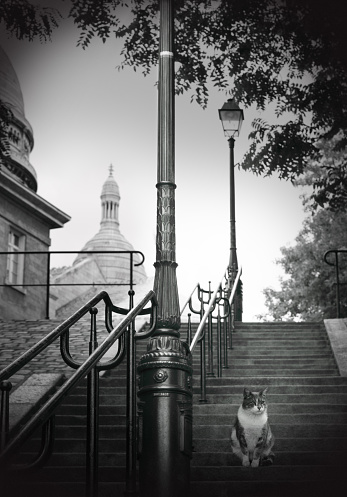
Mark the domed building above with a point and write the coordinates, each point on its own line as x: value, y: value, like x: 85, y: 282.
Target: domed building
x: 25, y: 218
x: 20, y: 133
x: 109, y: 271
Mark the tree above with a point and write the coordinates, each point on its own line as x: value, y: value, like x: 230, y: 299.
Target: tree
x: 308, y: 290
x: 328, y: 177
x: 287, y: 54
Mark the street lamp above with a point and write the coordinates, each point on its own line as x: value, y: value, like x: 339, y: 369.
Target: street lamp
x: 231, y: 116
x: 165, y: 370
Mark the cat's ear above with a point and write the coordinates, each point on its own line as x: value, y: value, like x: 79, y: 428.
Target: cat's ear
x: 246, y: 393
x: 263, y: 392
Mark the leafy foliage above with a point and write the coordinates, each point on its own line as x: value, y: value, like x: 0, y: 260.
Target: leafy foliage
x: 308, y: 291
x: 328, y: 177
x: 26, y: 20
x: 287, y: 54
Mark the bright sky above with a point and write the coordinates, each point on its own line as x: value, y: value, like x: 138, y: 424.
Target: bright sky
x: 86, y: 114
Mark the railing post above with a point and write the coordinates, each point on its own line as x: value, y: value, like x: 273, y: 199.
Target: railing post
x: 5, y: 388
x: 189, y: 329
x: 165, y: 393
x: 48, y: 283
x: 210, y: 337
x: 219, y: 344
x: 131, y: 450
x: 338, y: 308
x: 202, y: 346
x: 203, y: 398
x: 225, y: 333
x: 92, y: 452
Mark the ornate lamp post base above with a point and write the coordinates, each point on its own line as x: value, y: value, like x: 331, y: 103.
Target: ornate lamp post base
x: 165, y: 418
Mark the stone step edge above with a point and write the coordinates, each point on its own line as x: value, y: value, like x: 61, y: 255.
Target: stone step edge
x: 30, y: 395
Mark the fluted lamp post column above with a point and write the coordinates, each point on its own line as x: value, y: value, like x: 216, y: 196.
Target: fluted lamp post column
x: 165, y: 370
x: 232, y: 116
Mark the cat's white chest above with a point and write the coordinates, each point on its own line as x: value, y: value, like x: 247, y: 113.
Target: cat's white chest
x: 253, y: 425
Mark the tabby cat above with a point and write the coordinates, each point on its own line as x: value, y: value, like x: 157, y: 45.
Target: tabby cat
x: 251, y: 437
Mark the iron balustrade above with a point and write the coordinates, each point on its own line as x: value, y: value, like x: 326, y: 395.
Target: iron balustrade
x: 336, y: 265
x: 48, y: 283
x: 209, y: 303
x: 126, y: 336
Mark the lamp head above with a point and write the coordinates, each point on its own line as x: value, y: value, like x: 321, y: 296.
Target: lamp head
x: 231, y: 116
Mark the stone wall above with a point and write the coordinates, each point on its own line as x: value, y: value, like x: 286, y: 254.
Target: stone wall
x: 28, y: 302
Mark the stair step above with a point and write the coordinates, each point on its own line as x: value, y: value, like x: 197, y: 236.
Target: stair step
x: 64, y: 489
x: 79, y: 432
x: 307, y: 410
x: 277, y: 380
x: 285, y: 444
x: 281, y: 399
x: 274, y: 474
x: 280, y: 389
x: 279, y: 430
x: 292, y: 419
x: 261, y: 488
x: 285, y: 408
x: 281, y: 458
x: 252, y: 371
x: 105, y: 420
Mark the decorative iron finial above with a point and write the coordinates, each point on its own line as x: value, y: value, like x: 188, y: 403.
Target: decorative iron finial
x: 111, y: 170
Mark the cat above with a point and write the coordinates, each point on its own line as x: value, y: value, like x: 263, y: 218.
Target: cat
x: 251, y: 436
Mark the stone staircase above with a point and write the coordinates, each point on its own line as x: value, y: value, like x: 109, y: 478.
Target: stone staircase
x: 307, y: 411
x: 64, y: 474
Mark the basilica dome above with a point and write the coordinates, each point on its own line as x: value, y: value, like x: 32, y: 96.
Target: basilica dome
x: 114, y: 267
x: 20, y: 133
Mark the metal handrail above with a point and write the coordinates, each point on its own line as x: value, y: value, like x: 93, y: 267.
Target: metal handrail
x: 48, y: 283
x: 90, y: 367
x: 206, y: 314
x: 31, y: 353
x: 189, y: 298
x: 336, y: 264
x: 224, y: 327
x: 236, y: 282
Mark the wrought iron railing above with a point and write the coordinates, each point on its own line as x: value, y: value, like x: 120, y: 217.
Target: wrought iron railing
x: 48, y: 283
x: 336, y: 252
x: 126, y: 336
x: 218, y: 338
x: 214, y: 339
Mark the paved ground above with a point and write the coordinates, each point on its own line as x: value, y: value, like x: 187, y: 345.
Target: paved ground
x: 16, y: 337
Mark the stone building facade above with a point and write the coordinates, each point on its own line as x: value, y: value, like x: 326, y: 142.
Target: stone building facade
x: 25, y: 223
x: 25, y: 218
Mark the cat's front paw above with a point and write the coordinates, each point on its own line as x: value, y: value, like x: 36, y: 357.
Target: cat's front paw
x: 255, y: 463
x: 268, y: 460
x: 245, y: 461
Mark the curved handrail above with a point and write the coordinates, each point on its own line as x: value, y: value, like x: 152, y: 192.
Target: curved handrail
x: 234, y: 288
x: 46, y: 411
x: 190, y: 296
x: 211, y: 304
x: 333, y: 251
x: 27, y: 356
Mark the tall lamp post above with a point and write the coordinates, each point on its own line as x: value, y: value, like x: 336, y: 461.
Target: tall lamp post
x: 232, y: 116
x: 165, y: 370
